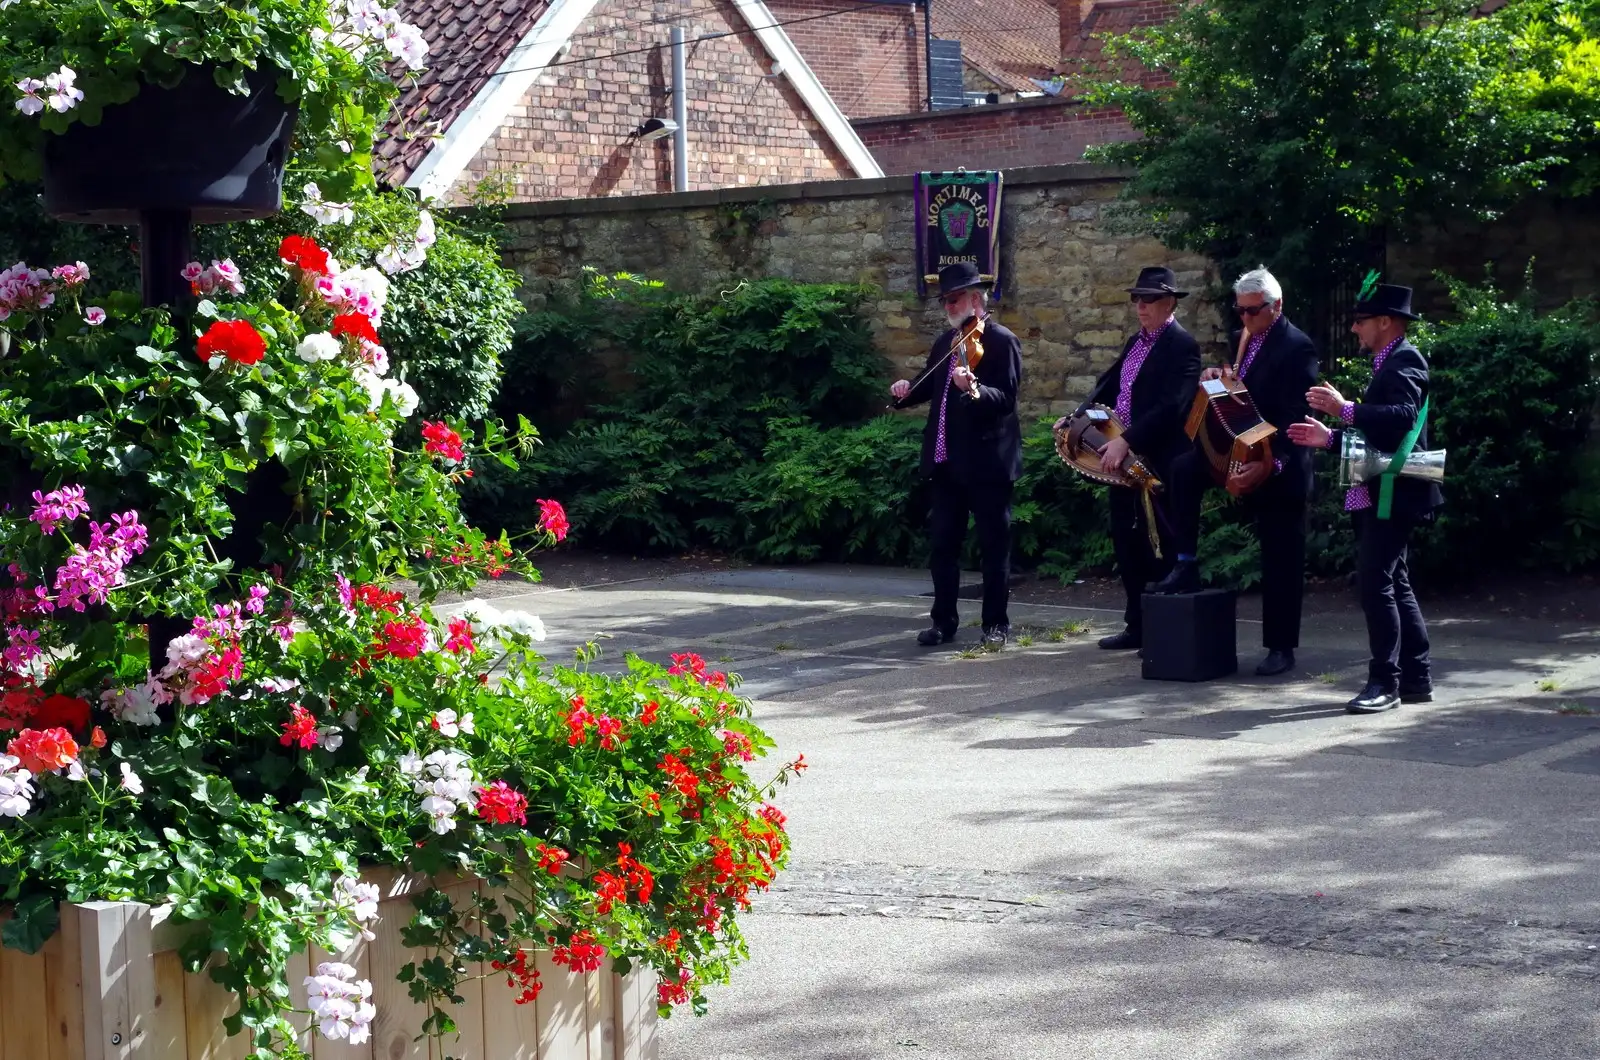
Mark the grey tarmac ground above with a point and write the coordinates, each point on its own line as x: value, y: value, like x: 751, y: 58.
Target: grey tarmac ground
x: 1036, y: 853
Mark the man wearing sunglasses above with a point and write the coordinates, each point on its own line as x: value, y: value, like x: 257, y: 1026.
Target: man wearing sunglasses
x: 1150, y: 387
x: 1277, y: 363
x: 971, y: 452
x: 1388, y: 412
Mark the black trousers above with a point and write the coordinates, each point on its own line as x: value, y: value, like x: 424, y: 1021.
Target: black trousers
x: 1281, y: 529
x: 989, y: 506
x: 1136, y: 561
x: 1396, y: 633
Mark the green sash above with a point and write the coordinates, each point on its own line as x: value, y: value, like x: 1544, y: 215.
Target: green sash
x: 1386, y: 486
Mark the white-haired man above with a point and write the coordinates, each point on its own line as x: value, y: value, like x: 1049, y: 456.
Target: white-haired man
x: 1277, y: 362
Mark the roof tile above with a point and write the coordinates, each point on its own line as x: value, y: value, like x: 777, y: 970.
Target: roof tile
x: 469, y: 40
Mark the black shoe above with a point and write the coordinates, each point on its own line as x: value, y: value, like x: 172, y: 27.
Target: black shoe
x: 1127, y: 640
x: 1374, y: 699
x: 1418, y: 693
x: 1276, y: 662
x: 994, y: 637
x: 934, y: 636
x: 1183, y: 578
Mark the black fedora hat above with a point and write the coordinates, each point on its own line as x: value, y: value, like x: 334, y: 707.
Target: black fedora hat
x: 1157, y: 279
x: 1387, y: 300
x: 959, y: 277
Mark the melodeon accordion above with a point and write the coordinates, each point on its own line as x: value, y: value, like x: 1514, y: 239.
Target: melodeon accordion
x: 1229, y: 429
x: 1079, y: 442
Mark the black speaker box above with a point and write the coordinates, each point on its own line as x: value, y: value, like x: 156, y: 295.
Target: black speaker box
x: 1190, y: 637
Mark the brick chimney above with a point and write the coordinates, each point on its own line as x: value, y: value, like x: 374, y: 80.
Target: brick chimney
x: 1074, y: 18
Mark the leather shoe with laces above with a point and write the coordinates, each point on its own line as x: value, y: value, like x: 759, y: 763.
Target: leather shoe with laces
x: 1183, y: 578
x: 1374, y: 699
x: 1127, y: 640
x: 1276, y: 662
x: 994, y: 637
x: 933, y: 636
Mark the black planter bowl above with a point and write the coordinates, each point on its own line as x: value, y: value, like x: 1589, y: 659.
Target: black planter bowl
x: 195, y: 149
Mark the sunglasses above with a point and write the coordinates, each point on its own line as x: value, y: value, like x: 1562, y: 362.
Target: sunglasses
x: 1250, y: 310
x: 1146, y: 299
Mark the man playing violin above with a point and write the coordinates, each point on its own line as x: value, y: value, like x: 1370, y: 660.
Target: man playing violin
x: 971, y: 449
x: 1278, y: 363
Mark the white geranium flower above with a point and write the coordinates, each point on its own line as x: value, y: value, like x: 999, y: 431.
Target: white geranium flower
x: 330, y: 738
x: 63, y: 96
x: 30, y: 103
x: 406, y: 43
x: 361, y: 899
x: 321, y: 346
x: 404, y: 397
x: 375, y: 386
x: 131, y: 782
x: 445, y: 722
x: 323, y: 212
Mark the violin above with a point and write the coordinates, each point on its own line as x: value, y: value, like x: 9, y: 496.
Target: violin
x: 969, y: 342
x: 966, y: 344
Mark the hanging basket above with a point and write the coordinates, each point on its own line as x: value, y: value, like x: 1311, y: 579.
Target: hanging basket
x: 194, y: 149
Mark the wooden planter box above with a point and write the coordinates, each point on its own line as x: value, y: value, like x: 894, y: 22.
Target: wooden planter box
x: 109, y: 986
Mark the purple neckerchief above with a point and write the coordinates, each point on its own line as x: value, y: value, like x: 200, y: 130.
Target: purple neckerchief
x: 1359, y: 497
x: 941, y: 449
x: 1130, y: 368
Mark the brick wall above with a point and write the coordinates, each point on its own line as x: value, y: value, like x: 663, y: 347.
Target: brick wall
x: 571, y: 135
x: 1085, y: 22
x: 1040, y: 132
x: 869, y: 58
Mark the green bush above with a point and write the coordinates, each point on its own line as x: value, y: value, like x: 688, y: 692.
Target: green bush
x: 452, y: 324
x: 1514, y: 404
x: 656, y: 467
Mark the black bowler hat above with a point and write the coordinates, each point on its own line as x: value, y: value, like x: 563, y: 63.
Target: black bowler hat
x: 1157, y: 279
x: 1387, y: 300
x: 959, y: 277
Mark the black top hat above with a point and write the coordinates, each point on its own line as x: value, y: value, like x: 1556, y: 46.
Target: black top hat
x: 1157, y: 279
x: 1388, y: 300
x: 959, y: 277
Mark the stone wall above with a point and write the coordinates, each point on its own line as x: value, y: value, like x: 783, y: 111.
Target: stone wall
x: 1557, y: 235
x: 1065, y: 265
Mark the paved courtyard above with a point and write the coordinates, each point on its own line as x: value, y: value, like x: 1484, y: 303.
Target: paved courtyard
x: 1038, y: 854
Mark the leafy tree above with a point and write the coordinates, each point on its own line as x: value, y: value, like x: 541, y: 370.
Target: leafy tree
x: 1296, y: 133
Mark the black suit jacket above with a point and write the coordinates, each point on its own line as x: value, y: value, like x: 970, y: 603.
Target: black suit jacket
x: 1284, y: 369
x: 1386, y: 413
x: 1163, y: 391
x: 982, y: 436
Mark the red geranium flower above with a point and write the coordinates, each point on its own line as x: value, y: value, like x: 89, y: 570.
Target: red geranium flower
x: 301, y: 728
x: 404, y: 639
x: 303, y: 253
x: 499, y: 803
x: 66, y: 712
x: 236, y: 340
x: 43, y: 750
x: 439, y: 438
x: 355, y: 326
x: 553, y: 517
x: 583, y: 955
x: 552, y: 858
